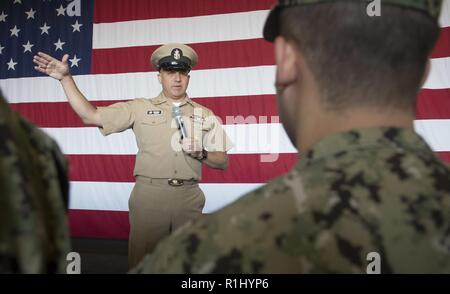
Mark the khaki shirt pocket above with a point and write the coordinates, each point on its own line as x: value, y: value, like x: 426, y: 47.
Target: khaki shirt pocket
x: 152, y: 129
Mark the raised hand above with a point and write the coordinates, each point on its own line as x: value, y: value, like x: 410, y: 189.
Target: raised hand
x: 52, y: 66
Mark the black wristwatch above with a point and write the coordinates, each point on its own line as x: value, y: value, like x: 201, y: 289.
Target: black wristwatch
x: 204, y: 155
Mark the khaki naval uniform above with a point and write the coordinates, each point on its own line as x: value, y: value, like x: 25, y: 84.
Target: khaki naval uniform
x: 166, y: 193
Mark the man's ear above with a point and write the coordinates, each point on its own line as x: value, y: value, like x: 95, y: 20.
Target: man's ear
x: 159, y: 78
x: 426, y: 73
x: 286, y: 59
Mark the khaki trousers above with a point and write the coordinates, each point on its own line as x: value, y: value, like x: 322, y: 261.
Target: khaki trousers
x: 156, y: 209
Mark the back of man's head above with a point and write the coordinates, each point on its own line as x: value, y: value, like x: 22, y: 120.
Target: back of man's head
x: 358, y: 60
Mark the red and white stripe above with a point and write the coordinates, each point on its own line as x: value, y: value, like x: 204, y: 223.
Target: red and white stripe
x: 234, y: 77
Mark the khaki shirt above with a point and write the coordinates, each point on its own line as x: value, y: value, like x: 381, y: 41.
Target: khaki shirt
x: 160, y: 154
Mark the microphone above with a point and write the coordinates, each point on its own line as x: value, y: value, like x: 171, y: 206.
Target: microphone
x: 176, y: 113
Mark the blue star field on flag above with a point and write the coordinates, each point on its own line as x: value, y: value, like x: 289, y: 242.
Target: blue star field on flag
x: 56, y: 27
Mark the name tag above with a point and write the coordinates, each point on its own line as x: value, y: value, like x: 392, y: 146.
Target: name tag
x: 154, y: 112
x: 197, y: 118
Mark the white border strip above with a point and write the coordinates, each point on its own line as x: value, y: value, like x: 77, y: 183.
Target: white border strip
x: 114, y: 196
x: 187, y: 30
x: 444, y: 20
x: 247, y: 139
x: 436, y: 132
x: 227, y: 82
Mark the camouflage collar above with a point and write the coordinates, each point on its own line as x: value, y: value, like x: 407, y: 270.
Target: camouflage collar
x: 381, y: 137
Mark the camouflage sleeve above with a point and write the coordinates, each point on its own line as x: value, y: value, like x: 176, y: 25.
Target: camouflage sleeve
x: 33, y: 180
x: 53, y: 158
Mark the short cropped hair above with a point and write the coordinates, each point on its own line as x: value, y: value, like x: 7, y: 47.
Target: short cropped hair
x: 360, y: 60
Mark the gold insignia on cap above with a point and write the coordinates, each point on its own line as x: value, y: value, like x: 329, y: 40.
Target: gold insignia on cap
x: 177, y: 53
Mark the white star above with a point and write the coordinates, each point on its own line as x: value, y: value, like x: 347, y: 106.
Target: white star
x: 17, y: 1
x: 3, y: 17
x: 1, y: 49
x: 45, y: 29
x: 61, y: 10
x: 74, y: 61
x: 76, y: 26
x: 15, y: 31
x: 30, y: 14
x: 27, y: 47
x: 59, y: 45
x: 11, y: 64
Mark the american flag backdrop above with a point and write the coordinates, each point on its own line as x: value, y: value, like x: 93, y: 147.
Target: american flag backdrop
x: 110, y: 43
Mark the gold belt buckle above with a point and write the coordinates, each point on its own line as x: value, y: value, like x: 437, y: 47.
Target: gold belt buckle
x: 175, y: 182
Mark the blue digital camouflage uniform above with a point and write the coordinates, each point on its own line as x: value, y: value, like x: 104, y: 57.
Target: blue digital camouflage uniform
x: 368, y: 190
x: 33, y: 198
